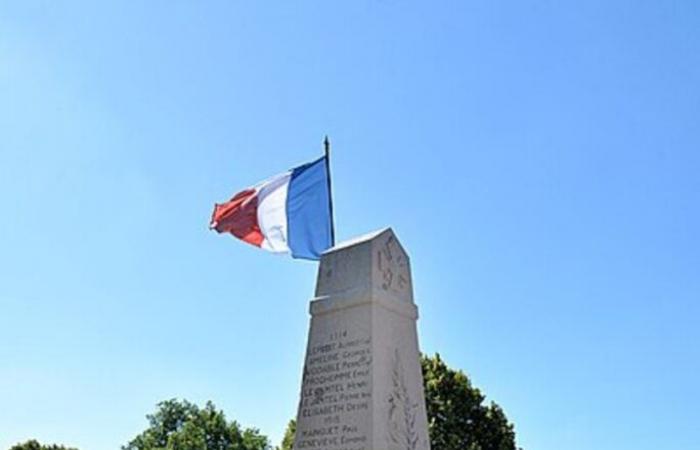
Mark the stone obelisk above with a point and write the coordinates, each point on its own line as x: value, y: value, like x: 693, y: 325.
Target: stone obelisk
x: 362, y: 387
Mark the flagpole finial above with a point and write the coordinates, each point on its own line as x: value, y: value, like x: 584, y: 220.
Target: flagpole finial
x: 326, y: 145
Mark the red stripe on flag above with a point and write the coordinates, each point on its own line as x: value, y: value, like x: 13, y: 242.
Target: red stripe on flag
x: 239, y: 216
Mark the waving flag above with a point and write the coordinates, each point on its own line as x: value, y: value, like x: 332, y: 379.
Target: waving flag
x: 288, y: 213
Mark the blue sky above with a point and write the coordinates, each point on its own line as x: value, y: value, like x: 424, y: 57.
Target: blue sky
x: 539, y: 161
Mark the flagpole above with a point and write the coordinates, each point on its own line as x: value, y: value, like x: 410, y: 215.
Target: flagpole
x: 327, y: 149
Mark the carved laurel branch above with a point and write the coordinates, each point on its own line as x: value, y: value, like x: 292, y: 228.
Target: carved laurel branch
x: 402, y: 410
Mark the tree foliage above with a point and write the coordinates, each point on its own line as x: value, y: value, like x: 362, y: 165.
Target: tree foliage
x: 181, y: 425
x: 35, y: 445
x: 288, y: 439
x: 458, y: 419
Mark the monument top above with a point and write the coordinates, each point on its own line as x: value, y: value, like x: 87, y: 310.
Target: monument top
x: 374, y: 263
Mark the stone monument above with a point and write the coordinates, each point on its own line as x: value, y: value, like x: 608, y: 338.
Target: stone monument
x: 362, y: 387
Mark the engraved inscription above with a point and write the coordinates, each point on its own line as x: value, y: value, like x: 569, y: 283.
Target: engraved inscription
x: 336, y: 393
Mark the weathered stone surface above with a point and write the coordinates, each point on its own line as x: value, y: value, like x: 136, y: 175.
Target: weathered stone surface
x: 362, y: 387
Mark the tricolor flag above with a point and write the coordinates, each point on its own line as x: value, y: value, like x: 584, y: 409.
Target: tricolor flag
x: 288, y: 213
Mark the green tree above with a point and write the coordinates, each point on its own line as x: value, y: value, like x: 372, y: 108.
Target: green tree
x: 288, y: 439
x: 458, y: 419
x: 181, y: 425
x: 34, y: 445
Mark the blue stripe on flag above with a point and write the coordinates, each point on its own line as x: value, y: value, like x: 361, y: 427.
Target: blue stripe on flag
x: 308, y: 211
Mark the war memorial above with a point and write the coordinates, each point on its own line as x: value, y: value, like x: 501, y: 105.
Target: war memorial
x: 362, y: 385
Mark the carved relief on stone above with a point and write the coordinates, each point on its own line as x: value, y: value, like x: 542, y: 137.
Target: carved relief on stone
x: 393, y: 266
x: 403, y: 434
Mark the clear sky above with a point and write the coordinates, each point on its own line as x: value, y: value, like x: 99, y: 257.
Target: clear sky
x: 539, y: 160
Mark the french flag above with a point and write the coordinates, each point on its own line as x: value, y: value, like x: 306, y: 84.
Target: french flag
x: 288, y: 213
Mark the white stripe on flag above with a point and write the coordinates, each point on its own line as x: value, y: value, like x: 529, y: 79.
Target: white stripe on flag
x: 272, y: 212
